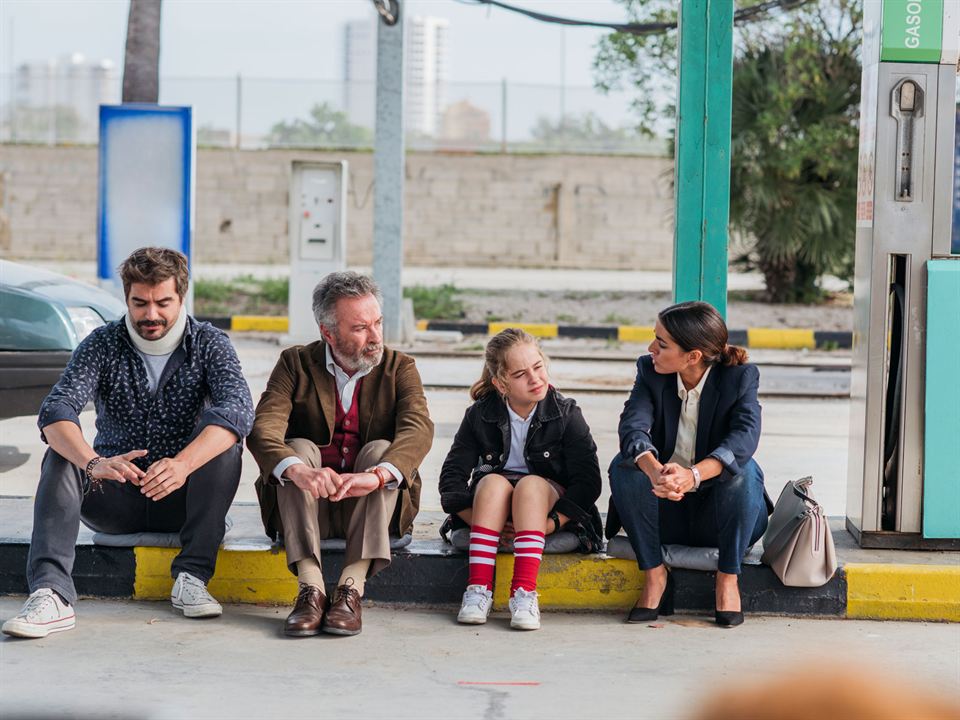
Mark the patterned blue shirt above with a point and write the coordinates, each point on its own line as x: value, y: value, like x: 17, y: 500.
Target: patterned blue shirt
x: 201, y: 385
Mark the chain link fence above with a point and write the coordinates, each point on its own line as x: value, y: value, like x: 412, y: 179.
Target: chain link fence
x: 256, y: 113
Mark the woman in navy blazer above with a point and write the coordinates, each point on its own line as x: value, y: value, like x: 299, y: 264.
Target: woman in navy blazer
x: 685, y: 473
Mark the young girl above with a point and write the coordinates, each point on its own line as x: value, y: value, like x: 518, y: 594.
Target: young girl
x: 523, y: 464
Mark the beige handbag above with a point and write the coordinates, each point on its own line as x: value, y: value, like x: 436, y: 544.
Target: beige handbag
x: 798, y: 544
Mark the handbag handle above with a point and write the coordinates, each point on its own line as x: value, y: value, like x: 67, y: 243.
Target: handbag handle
x: 798, y: 489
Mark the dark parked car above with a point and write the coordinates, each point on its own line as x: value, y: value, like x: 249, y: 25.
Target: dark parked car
x: 43, y: 317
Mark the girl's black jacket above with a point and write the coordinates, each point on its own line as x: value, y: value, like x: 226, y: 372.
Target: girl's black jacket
x: 559, y: 447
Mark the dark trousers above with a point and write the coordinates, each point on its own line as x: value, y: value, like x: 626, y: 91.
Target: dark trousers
x: 197, y: 511
x: 730, y: 515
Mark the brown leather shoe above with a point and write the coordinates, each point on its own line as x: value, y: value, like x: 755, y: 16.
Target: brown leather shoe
x: 307, y: 615
x: 343, y: 617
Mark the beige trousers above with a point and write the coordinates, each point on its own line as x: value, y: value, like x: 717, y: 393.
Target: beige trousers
x: 364, y: 522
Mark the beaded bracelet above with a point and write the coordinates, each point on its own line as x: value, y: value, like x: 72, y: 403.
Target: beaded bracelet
x: 92, y: 482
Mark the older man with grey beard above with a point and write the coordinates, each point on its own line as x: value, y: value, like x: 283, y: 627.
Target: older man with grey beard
x: 339, y: 434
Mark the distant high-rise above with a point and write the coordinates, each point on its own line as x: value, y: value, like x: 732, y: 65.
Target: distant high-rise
x: 425, y: 73
x: 360, y: 71
x: 65, y: 96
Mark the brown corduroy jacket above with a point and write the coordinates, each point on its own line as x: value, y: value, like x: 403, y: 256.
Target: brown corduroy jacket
x: 300, y: 401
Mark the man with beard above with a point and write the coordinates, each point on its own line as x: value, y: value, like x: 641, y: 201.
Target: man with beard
x: 172, y: 411
x: 339, y: 434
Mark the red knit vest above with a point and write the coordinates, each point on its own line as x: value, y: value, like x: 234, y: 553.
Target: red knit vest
x: 341, y: 453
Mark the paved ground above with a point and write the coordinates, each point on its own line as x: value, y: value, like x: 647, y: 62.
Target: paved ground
x: 800, y: 437
x: 138, y: 660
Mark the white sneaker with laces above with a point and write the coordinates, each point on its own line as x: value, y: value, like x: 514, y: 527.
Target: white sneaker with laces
x: 43, y: 613
x: 190, y: 595
x: 477, y: 601
x: 524, y: 610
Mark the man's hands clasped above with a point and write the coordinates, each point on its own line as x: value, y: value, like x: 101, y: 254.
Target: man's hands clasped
x: 330, y: 485
x: 156, y: 482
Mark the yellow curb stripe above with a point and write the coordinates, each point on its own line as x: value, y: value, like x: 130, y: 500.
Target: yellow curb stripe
x: 635, y: 333
x: 779, y: 339
x: 575, y: 582
x: 422, y: 324
x: 260, y: 323
x: 247, y: 576
x: 903, y: 592
x: 543, y: 330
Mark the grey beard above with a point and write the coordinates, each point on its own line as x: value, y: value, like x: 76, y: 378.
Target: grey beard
x: 360, y: 362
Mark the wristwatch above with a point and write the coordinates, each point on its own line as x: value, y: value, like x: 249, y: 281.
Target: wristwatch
x: 556, y: 520
x: 696, y: 477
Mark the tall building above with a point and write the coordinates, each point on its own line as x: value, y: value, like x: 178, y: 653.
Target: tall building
x: 60, y: 100
x: 360, y: 71
x: 426, y: 72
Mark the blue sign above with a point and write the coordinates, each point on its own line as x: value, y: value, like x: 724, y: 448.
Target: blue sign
x: 145, y: 183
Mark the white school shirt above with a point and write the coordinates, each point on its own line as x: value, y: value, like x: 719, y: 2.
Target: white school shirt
x: 519, y: 427
x: 685, y: 449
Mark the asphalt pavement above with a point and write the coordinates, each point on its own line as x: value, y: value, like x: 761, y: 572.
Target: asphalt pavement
x: 140, y: 660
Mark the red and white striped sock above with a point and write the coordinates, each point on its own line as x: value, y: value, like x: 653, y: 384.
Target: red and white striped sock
x: 527, y: 553
x: 483, y: 555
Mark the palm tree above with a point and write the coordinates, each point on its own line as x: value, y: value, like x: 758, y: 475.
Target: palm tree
x: 141, y: 62
x: 794, y: 157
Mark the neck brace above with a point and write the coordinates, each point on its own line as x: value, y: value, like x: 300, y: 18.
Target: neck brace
x: 165, y: 345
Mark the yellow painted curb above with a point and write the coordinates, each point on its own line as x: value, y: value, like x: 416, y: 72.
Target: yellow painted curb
x: 780, y: 339
x: 260, y: 323
x: 635, y: 333
x: 576, y: 582
x: 903, y: 592
x: 544, y: 330
x: 247, y: 576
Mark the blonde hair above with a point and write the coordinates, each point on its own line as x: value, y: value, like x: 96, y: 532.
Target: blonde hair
x: 495, y: 359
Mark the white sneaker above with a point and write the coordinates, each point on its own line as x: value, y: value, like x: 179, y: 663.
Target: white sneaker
x: 43, y: 613
x: 190, y: 595
x: 524, y: 610
x: 477, y: 601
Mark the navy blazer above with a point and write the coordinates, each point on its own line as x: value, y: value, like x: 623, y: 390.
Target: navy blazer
x: 728, y: 427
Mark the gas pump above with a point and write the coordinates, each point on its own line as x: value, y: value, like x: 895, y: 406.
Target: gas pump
x: 318, y: 242
x: 903, y: 482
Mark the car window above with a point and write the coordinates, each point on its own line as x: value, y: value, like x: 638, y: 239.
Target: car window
x: 31, y: 323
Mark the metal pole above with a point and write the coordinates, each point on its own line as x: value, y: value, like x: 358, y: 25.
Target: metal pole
x: 503, y: 115
x: 239, y: 123
x: 702, y: 174
x: 563, y: 88
x: 388, y: 170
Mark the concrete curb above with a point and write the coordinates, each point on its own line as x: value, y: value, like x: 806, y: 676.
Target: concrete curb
x: 770, y: 338
x: 431, y: 572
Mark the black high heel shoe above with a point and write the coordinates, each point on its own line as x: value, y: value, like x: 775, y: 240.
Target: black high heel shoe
x: 664, y: 607
x: 728, y: 618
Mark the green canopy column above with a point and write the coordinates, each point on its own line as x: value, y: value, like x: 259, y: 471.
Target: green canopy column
x: 702, y: 168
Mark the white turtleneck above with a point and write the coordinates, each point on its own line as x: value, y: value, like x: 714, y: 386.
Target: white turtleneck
x: 156, y: 353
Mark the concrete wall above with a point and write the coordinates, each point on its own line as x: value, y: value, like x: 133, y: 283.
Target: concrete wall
x: 543, y: 211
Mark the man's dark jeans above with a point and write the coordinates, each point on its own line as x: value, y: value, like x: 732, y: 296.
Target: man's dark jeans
x: 730, y: 515
x: 197, y: 511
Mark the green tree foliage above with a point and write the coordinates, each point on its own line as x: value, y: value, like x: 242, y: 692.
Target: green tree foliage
x: 327, y: 127
x: 796, y: 91
x: 583, y: 132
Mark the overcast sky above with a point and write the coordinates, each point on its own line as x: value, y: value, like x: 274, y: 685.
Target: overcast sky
x: 304, y: 38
